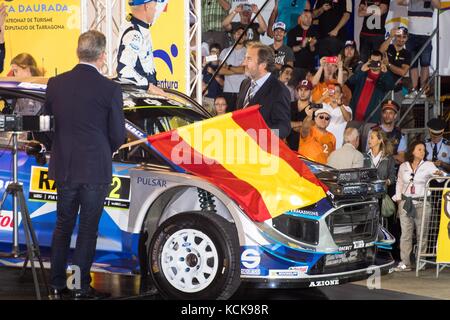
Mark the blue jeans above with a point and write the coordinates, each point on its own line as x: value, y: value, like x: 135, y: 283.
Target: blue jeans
x: 414, y: 44
x: 88, y: 199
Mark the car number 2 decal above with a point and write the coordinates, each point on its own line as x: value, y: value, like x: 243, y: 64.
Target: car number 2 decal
x: 44, y: 189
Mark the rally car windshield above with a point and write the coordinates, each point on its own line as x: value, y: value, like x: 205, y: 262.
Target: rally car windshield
x: 153, y: 119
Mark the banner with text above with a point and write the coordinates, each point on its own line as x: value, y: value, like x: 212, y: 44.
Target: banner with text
x: 46, y: 29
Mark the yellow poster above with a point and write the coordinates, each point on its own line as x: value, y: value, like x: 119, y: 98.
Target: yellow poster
x: 46, y: 29
x: 169, y: 44
x: 443, y: 247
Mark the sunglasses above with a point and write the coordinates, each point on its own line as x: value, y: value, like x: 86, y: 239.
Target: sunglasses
x: 323, y: 117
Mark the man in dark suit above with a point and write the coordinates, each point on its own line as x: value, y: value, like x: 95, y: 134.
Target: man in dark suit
x: 89, y: 127
x: 265, y: 89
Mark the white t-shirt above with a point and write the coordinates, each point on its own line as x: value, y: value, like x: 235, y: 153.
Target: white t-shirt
x: 236, y: 58
x: 337, y: 123
x: 420, y: 17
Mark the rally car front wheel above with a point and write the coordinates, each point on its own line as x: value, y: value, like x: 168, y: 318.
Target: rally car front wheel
x: 195, y: 256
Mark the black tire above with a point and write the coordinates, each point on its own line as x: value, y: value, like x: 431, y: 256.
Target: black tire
x: 224, y: 239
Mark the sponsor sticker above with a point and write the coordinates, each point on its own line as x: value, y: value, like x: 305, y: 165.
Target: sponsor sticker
x: 250, y: 258
x: 324, y: 283
x: 251, y: 272
x: 42, y: 188
x: 301, y: 269
x: 284, y: 273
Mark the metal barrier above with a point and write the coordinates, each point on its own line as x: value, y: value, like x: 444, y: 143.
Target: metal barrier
x: 430, y: 225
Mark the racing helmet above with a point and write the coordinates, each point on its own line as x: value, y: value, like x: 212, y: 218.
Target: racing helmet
x: 139, y: 2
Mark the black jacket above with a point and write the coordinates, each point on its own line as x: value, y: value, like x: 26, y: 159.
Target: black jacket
x: 274, y: 99
x: 89, y: 125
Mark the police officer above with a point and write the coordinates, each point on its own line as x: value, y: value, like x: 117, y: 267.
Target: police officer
x: 438, y: 148
x: 135, y: 62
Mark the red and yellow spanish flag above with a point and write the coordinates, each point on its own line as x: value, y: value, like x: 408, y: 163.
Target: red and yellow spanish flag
x: 239, y: 154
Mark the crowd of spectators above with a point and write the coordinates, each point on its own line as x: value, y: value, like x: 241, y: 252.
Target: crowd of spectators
x: 339, y: 114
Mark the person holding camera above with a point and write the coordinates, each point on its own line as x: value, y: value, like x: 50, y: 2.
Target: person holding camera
x: 420, y: 26
x: 340, y: 113
x: 298, y: 112
x: 330, y: 72
x: 372, y: 31
x: 215, y: 84
x: 370, y: 84
x: 283, y: 53
x: 303, y: 41
x: 245, y: 12
x: 213, y: 13
x: 332, y: 16
x: 398, y: 56
x: 316, y: 142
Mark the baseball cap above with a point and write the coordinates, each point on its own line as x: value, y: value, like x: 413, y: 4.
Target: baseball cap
x: 436, y: 126
x: 279, y: 25
x: 305, y: 84
x: 350, y: 43
x: 322, y: 110
x: 139, y: 2
x: 390, y: 104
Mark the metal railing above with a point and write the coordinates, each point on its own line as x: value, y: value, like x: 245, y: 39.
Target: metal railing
x: 428, y: 235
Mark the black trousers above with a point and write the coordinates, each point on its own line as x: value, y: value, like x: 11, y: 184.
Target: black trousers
x: 88, y: 199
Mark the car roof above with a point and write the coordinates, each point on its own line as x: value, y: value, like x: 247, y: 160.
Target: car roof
x: 133, y: 97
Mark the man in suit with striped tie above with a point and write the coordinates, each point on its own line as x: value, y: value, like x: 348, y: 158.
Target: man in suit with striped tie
x: 263, y: 88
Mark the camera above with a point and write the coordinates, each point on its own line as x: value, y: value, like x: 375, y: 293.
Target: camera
x: 18, y: 123
x: 375, y: 64
x: 246, y: 7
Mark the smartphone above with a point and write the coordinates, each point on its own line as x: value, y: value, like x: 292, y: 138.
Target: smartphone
x: 332, y: 60
x: 212, y: 58
x: 427, y: 4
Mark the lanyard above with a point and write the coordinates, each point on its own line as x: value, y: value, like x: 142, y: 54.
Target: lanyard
x: 413, y: 175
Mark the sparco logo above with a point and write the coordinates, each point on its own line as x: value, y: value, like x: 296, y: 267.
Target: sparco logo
x: 323, y: 283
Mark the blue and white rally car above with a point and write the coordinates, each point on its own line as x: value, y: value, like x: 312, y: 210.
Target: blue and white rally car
x: 187, y: 234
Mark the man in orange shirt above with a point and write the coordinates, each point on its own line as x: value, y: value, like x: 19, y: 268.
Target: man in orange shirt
x: 316, y: 143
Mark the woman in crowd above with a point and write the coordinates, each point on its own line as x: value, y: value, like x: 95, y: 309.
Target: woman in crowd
x: 380, y: 156
x: 24, y: 65
x: 413, y: 175
x: 341, y: 114
x: 350, y: 57
x: 328, y: 74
